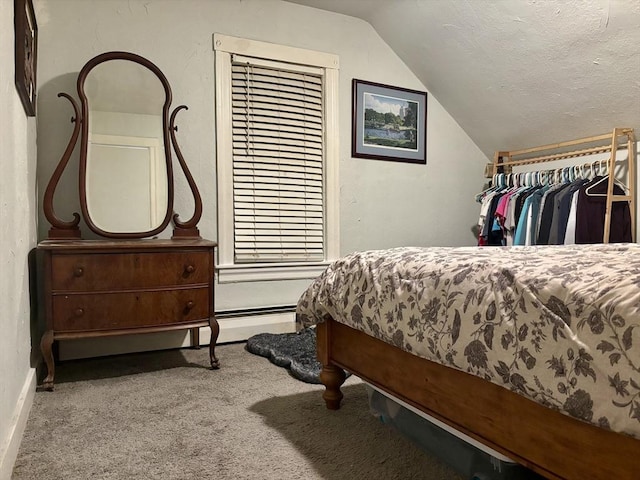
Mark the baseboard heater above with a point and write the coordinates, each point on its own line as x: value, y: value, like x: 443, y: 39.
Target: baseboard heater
x: 240, y: 324
x: 247, y: 312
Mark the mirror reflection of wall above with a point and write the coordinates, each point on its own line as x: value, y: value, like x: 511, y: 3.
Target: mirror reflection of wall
x: 126, y: 180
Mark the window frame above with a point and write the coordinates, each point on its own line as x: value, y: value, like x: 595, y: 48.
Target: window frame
x: 225, y: 46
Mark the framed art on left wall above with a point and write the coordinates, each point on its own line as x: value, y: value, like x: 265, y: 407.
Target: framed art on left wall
x: 26, y: 48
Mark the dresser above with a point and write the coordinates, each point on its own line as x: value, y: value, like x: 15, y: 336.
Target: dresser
x: 97, y: 288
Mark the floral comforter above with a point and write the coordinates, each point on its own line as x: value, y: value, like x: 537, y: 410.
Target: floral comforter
x: 557, y: 324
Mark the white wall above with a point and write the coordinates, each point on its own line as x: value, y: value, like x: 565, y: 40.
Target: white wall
x: 383, y: 204
x: 17, y: 237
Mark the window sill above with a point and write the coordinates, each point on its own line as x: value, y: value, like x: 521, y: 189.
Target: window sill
x: 268, y: 272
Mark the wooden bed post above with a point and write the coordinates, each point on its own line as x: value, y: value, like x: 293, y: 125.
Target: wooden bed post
x: 331, y: 376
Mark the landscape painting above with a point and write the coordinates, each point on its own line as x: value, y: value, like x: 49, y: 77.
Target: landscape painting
x: 389, y: 123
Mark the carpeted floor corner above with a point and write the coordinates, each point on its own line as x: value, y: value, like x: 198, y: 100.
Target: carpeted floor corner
x: 165, y: 415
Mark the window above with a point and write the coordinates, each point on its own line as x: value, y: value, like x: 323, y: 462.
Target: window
x: 277, y: 160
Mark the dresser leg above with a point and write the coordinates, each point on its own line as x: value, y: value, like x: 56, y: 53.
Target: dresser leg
x: 46, y: 344
x: 215, y: 331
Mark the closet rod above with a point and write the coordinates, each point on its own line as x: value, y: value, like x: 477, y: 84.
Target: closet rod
x: 504, y: 158
x: 558, y: 156
x: 553, y: 146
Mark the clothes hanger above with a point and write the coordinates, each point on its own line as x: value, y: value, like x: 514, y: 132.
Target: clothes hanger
x: 570, y: 174
x: 492, y: 188
x: 578, y: 172
x: 558, y: 175
x: 604, y: 177
x: 544, y: 177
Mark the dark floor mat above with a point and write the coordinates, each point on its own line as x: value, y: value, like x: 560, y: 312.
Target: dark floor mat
x: 294, y: 351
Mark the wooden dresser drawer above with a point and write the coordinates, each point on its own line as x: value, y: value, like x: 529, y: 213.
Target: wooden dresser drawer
x: 105, y: 272
x: 98, y: 288
x: 81, y: 312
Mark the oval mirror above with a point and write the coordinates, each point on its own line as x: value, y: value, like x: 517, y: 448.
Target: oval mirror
x: 125, y: 160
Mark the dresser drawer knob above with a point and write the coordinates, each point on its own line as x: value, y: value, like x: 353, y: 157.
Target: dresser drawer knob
x: 189, y: 269
x: 79, y: 312
x: 190, y: 305
x: 78, y: 272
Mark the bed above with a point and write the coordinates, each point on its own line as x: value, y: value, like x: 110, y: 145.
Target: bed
x: 532, y: 351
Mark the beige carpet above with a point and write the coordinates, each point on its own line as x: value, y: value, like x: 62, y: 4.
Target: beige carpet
x: 164, y: 415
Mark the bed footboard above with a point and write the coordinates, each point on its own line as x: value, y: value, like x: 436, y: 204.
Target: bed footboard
x: 548, y: 442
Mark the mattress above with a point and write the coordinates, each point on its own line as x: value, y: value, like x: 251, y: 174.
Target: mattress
x: 556, y: 324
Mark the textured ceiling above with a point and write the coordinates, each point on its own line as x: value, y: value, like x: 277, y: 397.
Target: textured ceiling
x: 517, y: 73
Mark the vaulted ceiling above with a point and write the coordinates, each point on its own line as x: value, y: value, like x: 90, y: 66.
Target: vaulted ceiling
x: 517, y: 73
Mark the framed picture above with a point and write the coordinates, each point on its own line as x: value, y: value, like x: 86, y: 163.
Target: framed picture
x: 26, y: 43
x: 389, y: 123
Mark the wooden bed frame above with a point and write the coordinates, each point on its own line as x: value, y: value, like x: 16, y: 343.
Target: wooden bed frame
x: 548, y: 442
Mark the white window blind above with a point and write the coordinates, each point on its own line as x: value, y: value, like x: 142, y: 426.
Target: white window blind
x: 278, y: 156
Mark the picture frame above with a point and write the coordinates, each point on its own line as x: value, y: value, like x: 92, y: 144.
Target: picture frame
x: 26, y: 50
x: 389, y: 123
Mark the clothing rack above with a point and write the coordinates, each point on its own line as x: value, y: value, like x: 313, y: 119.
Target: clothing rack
x: 611, y: 143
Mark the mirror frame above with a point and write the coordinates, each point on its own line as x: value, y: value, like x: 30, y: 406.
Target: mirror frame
x: 61, y: 229
x: 84, y: 141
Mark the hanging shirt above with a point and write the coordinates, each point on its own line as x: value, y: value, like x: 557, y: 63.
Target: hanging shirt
x: 511, y: 220
x: 485, y: 205
x: 555, y: 219
x: 490, y: 234
x: 590, y: 214
x: 502, y: 211
x: 565, y: 206
x: 528, y: 217
x: 570, y: 234
x: 546, y: 217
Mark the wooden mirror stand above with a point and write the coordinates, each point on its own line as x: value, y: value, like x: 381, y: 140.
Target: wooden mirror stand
x: 124, y: 283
